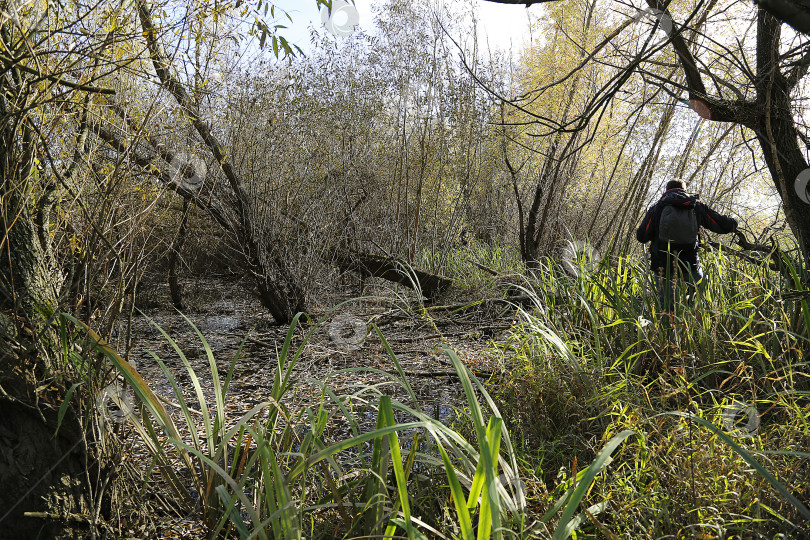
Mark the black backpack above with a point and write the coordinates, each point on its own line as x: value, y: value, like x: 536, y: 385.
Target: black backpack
x: 678, y: 225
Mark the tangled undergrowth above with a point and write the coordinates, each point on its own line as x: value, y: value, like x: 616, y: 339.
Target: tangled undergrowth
x: 717, y: 393
x: 609, y: 419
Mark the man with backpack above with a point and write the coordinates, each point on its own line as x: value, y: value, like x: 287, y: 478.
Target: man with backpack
x: 672, y: 224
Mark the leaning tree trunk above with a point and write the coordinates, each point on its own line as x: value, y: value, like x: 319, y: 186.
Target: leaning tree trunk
x: 278, y: 287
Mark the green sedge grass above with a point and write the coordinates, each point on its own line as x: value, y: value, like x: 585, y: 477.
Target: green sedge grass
x: 641, y: 396
x: 278, y: 479
x: 595, y: 350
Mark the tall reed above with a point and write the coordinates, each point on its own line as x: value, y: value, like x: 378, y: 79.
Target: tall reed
x: 718, y: 387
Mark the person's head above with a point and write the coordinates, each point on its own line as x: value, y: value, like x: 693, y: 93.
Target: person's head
x: 674, y: 184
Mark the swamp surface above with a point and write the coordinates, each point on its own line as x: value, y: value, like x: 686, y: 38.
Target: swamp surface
x: 344, y: 353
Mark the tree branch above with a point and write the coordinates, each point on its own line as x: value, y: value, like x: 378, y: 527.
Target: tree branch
x: 146, y: 163
x: 15, y: 63
x: 709, y: 107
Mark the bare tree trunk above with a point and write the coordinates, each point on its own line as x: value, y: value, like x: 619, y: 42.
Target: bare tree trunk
x: 174, y: 257
x: 785, y: 164
x: 770, y: 115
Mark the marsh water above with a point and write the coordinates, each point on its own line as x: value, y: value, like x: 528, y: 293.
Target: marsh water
x: 340, y: 349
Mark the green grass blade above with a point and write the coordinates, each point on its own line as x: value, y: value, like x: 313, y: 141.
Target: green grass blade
x: 776, y: 484
x: 399, y: 473
x: 349, y: 443
x: 181, y: 400
x: 218, y: 428
x: 403, y: 379
x: 64, y: 406
x: 563, y: 530
x: 238, y: 491
x: 460, y: 502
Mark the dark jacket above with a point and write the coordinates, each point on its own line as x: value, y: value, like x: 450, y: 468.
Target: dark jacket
x: 706, y: 218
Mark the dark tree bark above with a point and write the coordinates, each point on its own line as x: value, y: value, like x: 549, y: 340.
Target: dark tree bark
x: 43, y: 477
x: 50, y: 475
x: 174, y: 258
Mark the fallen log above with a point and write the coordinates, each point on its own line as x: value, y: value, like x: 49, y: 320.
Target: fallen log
x: 367, y: 265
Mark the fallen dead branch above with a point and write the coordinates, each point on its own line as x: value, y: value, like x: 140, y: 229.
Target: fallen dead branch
x: 390, y: 269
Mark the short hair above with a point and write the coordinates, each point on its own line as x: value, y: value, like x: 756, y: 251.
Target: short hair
x: 674, y: 184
